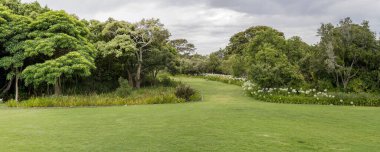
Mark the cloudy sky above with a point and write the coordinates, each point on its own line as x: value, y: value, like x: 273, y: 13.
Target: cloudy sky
x: 210, y: 23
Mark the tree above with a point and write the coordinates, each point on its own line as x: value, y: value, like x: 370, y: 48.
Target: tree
x: 215, y: 61
x: 235, y: 65
x: 59, y: 43
x: 25, y: 9
x: 183, y: 47
x: 196, y: 64
x: 241, y: 41
x: 147, y: 34
x: 14, y: 31
x: 123, y: 48
x: 271, y: 68
x: 349, y: 47
x: 141, y: 48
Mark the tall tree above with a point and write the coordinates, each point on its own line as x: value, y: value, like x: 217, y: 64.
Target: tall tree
x: 147, y: 34
x: 348, y: 48
x: 14, y: 29
x: 59, y: 42
x: 183, y: 47
x: 272, y: 68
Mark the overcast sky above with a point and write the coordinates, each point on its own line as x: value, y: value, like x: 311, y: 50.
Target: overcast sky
x: 210, y: 23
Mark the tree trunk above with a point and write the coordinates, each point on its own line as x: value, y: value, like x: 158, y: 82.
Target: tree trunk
x: 8, y: 87
x: 57, y: 87
x: 130, y: 79
x: 138, y: 73
x: 138, y: 76
x: 345, y: 84
x: 16, y: 86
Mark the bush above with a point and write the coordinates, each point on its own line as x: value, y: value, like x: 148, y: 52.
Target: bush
x: 124, y: 89
x: 136, y: 97
x: 357, y: 85
x: 185, y: 92
x: 311, y: 96
x: 166, y: 81
x: 152, y: 95
x: 196, y: 97
x: 224, y: 78
x: 163, y: 99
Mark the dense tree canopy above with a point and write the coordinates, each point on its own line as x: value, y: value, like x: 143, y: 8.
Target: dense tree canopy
x: 60, y: 42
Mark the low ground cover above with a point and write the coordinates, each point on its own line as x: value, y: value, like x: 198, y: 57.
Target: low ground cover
x: 298, y: 95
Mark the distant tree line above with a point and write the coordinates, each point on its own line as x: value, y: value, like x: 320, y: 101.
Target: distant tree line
x: 345, y: 59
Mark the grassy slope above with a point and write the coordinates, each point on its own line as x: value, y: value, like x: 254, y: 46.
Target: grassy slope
x: 225, y: 121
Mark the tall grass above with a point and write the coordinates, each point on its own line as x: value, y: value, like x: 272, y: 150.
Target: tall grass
x: 153, y: 95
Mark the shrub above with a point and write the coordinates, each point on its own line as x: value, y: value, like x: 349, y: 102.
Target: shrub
x: 124, y: 89
x: 152, y: 95
x: 311, y: 96
x: 163, y: 99
x: 166, y: 81
x: 224, y: 78
x: 185, y: 92
x: 357, y: 85
x: 196, y: 97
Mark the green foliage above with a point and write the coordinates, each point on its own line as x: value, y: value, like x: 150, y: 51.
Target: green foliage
x: 271, y: 68
x: 159, y: 95
x: 357, y: 85
x: 341, y: 99
x: 185, y: 92
x: 215, y: 62
x: 348, y: 48
x: 194, y: 65
x: 224, y: 78
x: 166, y: 81
x: 61, y: 40
x: 124, y: 88
x: 69, y: 65
x: 164, y: 99
x: 235, y: 65
x: 184, y: 48
x: 310, y: 96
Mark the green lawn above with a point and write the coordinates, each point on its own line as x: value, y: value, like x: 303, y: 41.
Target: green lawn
x: 226, y: 121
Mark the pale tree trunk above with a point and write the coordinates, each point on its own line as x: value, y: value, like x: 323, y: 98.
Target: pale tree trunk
x: 348, y: 74
x: 138, y: 76
x: 138, y: 73
x: 16, y: 86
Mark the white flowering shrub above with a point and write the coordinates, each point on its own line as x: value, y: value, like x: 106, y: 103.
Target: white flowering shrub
x: 312, y: 96
x: 225, y: 78
x: 297, y: 95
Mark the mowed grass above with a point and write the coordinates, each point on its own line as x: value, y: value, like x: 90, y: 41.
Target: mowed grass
x: 226, y: 120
